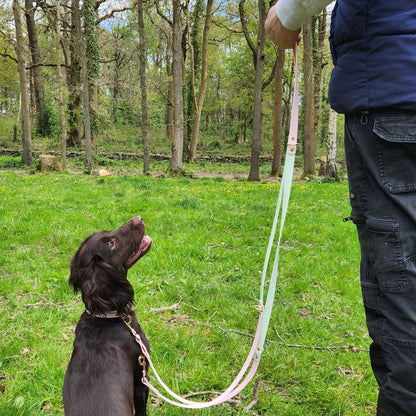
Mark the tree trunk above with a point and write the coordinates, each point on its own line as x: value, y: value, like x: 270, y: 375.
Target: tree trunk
x: 60, y: 84
x: 143, y: 88
x: 170, y: 120
x: 86, y: 107
x: 178, y: 127
x: 332, y: 145
x: 27, y: 138
x: 36, y: 70
x: 257, y: 133
x: 318, y: 68
x: 204, y: 79
x: 16, y: 125
x: 93, y: 63
x: 121, y: 56
x: 194, y: 72
x: 277, y: 115
x: 74, y: 77
x: 116, y: 85
x: 309, y: 133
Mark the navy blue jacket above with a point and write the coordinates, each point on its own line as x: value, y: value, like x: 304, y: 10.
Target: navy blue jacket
x: 373, y: 44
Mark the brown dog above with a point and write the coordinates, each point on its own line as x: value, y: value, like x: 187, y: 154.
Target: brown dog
x: 104, y: 376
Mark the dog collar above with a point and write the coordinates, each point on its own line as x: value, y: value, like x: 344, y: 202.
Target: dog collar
x: 106, y: 315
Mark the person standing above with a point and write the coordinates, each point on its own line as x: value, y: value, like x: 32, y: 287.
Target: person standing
x: 373, y: 83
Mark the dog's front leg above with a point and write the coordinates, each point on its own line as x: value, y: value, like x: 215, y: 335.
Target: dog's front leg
x: 141, y: 394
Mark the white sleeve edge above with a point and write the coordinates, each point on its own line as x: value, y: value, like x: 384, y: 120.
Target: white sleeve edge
x: 292, y: 13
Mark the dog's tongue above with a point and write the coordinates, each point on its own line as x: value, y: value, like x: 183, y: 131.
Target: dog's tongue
x: 144, y: 247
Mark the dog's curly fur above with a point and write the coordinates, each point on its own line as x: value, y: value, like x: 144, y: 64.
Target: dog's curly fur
x: 104, y: 376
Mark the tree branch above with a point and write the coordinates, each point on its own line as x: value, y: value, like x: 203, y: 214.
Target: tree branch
x: 114, y: 11
x: 176, y: 306
x: 7, y: 55
x: 244, y: 26
x: 301, y: 346
x: 160, y: 13
x: 50, y: 65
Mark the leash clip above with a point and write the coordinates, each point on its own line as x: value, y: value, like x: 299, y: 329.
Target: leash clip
x: 142, y: 362
x: 127, y: 321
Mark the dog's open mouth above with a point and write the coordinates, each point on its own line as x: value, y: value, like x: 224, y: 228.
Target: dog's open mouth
x: 144, y: 247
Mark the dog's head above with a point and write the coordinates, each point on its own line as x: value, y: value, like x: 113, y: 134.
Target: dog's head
x: 99, y: 267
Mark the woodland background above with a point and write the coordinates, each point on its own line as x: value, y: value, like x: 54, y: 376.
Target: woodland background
x: 183, y: 77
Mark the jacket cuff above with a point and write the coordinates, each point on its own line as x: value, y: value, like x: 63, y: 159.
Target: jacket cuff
x: 292, y: 13
x: 291, y: 18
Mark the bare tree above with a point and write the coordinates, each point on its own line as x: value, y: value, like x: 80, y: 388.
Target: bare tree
x: 170, y: 119
x: 258, y: 59
x: 121, y: 57
x: 60, y: 84
x: 74, y: 76
x: 332, y: 145
x: 319, y: 37
x: 178, y: 128
x: 277, y: 115
x: 309, y: 141
x: 199, y: 102
x: 24, y: 93
x: 86, y: 107
x: 89, y: 14
x: 192, y: 75
x: 36, y: 67
x: 166, y: 49
x: 143, y: 87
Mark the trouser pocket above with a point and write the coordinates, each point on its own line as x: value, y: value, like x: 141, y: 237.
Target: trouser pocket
x: 382, y: 254
x: 397, y: 151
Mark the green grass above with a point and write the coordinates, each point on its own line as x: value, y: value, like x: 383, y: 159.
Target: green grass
x: 210, y: 238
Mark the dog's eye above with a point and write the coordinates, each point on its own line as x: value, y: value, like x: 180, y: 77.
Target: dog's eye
x: 111, y: 243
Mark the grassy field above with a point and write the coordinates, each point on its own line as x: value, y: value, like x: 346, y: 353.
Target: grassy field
x: 209, y: 241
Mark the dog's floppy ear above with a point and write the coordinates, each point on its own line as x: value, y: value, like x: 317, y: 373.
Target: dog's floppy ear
x: 104, y: 288
x: 80, y: 264
x: 81, y: 260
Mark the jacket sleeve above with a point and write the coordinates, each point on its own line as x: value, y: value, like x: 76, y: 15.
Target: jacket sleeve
x: 292, y: 13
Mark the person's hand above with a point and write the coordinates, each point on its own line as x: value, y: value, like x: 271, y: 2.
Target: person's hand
x: 282, y: 37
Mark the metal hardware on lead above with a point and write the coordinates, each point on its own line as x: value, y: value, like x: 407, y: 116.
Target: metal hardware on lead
x: 142, y: 362
x: 127, y: 319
